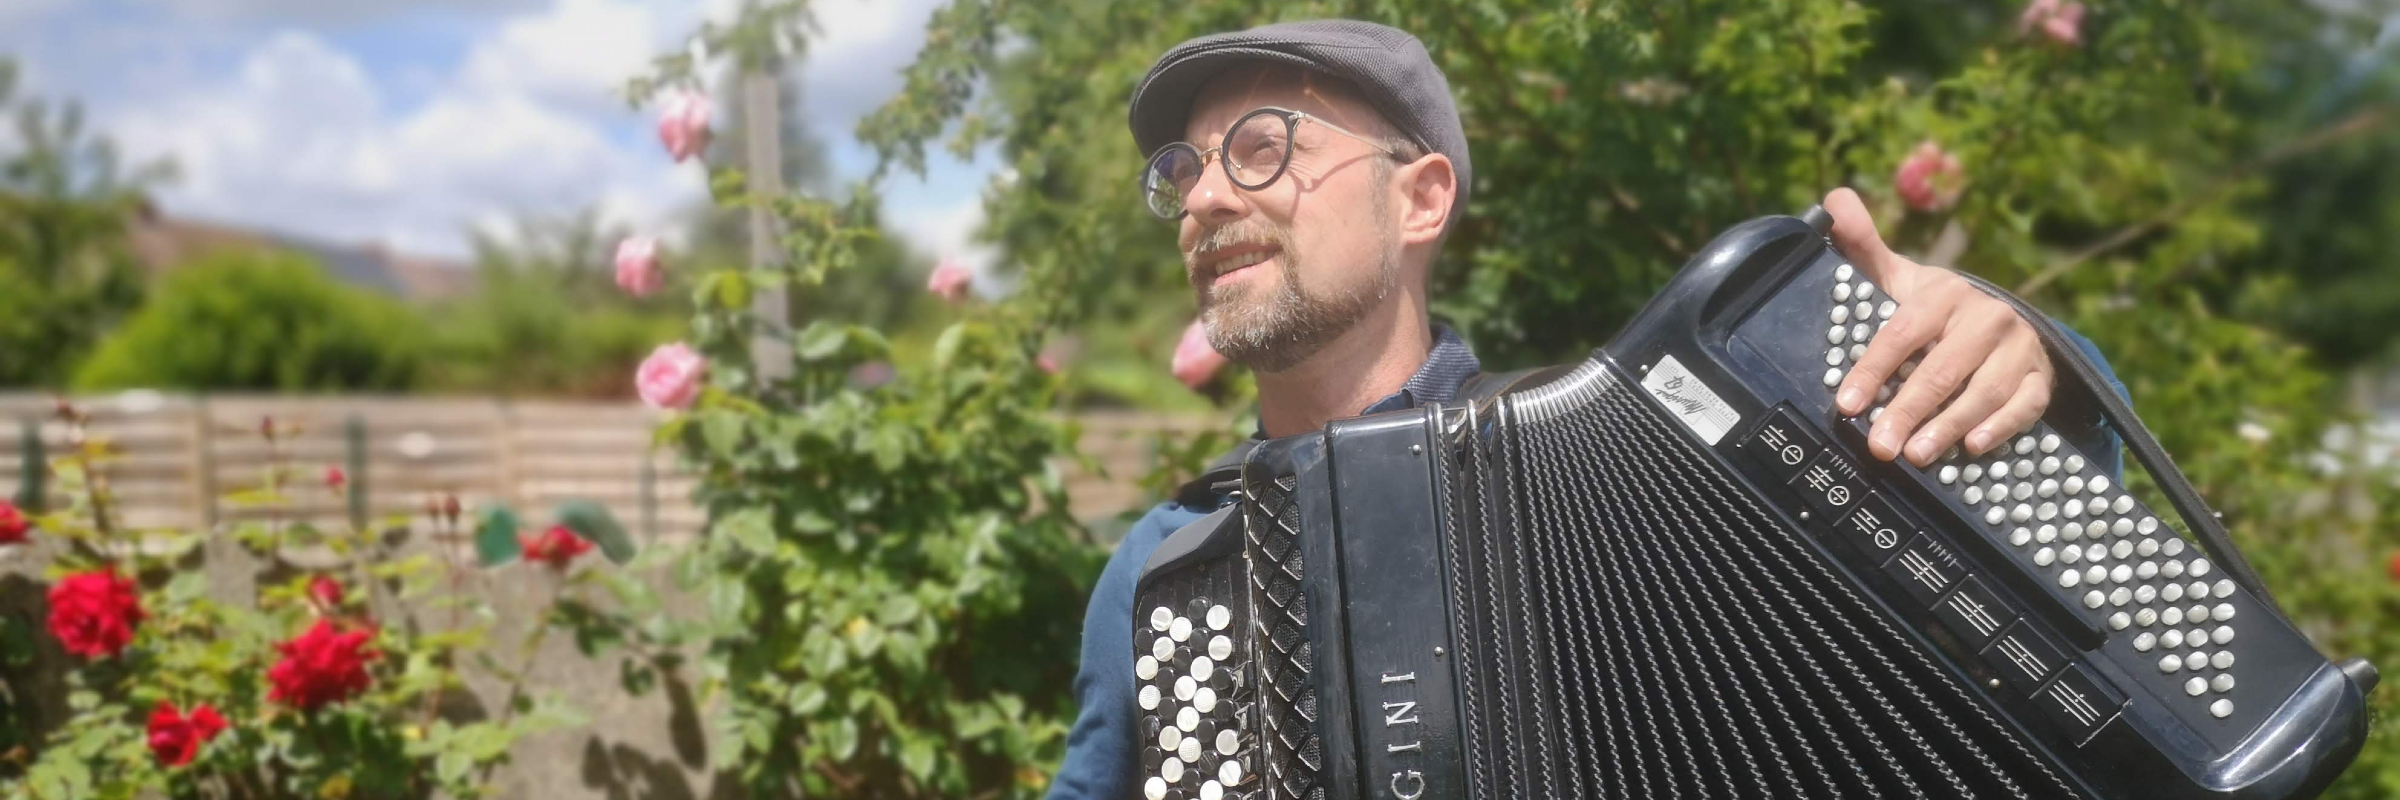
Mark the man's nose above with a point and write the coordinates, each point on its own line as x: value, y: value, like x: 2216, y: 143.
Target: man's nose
x: 1213, y: 198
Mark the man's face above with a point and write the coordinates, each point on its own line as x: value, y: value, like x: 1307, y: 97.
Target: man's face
x: 1283, y: 270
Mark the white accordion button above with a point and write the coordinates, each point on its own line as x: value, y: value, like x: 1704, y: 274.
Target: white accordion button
x: 2143, y: 643
x: 2023, y: 469
x: 2020, y: 513
x: 2147, y: 525
x: 1863, y: 311
x: 2171, y: 640
x: 1188, y: 718
x: 2098, y: 484
x: 1837, y: 335
x: 1204, y: 699
x: 2170, y: 592
x: 1212, y: 791
x: 1160, y: 618
x: 2198, y: 590
x: 2172, y: 547
x: 1230, y: 772
x: 2094, y: 599
x: 1972, y: 473
x: 1184, y: 687
x: 1866, y: 291
x: 2069, y: 578
x: 2199, y: 568
x: 2196, y: 661
x: 2145, y: 594
x: 1219, y: 617
x: 2049, y: 465
x: 2222, y: 636
x: 1833, y: 357
x: 2119, y: 621
x: 2074, y: 463
x: 2044, y: 556
x: 2122, y: 549
x: 1841, y: 315
x: 1841, y: 292
x: 2019, y: 537
x: 2049, y: 488
x: 2197, y: 614
x: 1180, y: 629
x: 1992, y: 515
x: 2095, y: 553
x: 2123, y: 504
x: 2170, y: 665
x: 1841, y: 272
x: 1201, y: 667
x: 2025, y: 447
x: 2221, y: 708
x: 2094, y: 575
x: 1169, y: 738
x: 2120, y: 596
x: 1860, y: 332
x: 2046, y: 534
x: 1949, y: 474
x: 2147, y: 548
x: 1145, y: 668
x: 1190, y: 751
x: 2223, y: 682
x: 2045, y: 512
x: 1228, y: 741
x: 2146, y: 618
x: 1973, y: 495
x: 1173, y: 769
x: 1886, y: 310
x: 2222, y: 660
x: 2225, y: 589
x: 2196, y: 687
x: 2049, y: 443
x: 2073, y: 484
x: 2171, y: 569
x: 2171, y: 616
x: 1833, y: 377
x: 1149, y: 697
x: 1155, y: 788
x: 1162, y: 648
x: 1220, y: 648
x: 2070, y: 555
x: 2222, y: 613
x: 2094, y: 528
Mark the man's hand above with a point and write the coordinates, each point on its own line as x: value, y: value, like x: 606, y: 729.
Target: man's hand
x: 1985, y: 362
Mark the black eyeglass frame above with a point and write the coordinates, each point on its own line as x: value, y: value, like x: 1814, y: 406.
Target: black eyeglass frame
x: 1291, y: 128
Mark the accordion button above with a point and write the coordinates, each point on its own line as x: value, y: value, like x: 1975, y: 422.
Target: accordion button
x: 1187, y: 718
x: 2223, y: 636
x: 1220, y: 647
x: 2147, y: 548
x: 2197, y: 614
x: 1180, y: 629
x: 2049, y: 443
x: 1190, y: 752
x: 2048, y: 488
x: 2044, y: 557
x: 1973, y: 495
x: 1204, y: 700
x: 1183, y: 657
x: 1230, y: 773
x: 2199, y: 568
x: 2069, y: 578
x: 2143, y: 643
x: 2046, y: 534
x: 1843, y: 273
x: 1150, y: 727
x: 1841, y: 293
x: 1145, y: 668
x: 2122, y: 527
x: 2120, y: 574
x: 1219, y: 617
x: 1160, y: 618
x: 1155, y: 788
x: 2195, y: 661
x: 1833, y: 357
x: 2196, y: 687
x: 2123, y: 504
x: 2020, y: 537
x: 2223, y: 682
x: 2094, y: 528
x: 2223, y: 659
x: 1866, y: 291
x: 1837, y: 334
x: 2225, y: 589
x: 1212, y: 790
x: 1971, y: 473
x: 2070, y: 554
x: 1148, y: 697
x: 2170, y: 592
x: 2147, y: 525
x: 1861, y: 331
x: 2172, y: 616
x: 1833, y: 377
x: 1197, y: 609
x: 2172, y: 546
x: 1202, y: 668
x: 1228, y: 742
x: 1886, y: 310
x: 2098, y: 484
x: 2145, y: 594
x: 1949, y: 474
x: 2073, y: 484
x: 2074, y: 463
x: 2024, y: 447
x: 2170, y: 664
x: 1172, y: 770
x: 2049, y: 466
x: 1841, y: 315
x: 2221, y: 709
x: 1863, y: 311
x: 2022, y: 512
x: 1162, y: 648
x: 2094, y: 599
x: 2145, y: 617
x: 2119, y: 597
x: 1184, y: 686
x: 1993, y: 515
x: 1170, y: 738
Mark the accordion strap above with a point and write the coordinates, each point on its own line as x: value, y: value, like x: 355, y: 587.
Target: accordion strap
x: 2204, y: 524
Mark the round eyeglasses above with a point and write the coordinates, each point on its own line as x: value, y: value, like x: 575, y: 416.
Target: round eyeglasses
x: 1255, y: 152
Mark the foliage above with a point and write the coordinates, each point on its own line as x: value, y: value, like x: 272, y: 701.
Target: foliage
x: 259, y: 320
x: 889, y: 600
x: 225, y: 647
x: 546, y: 317
x: 65, y: 275
x: 2124, y: 180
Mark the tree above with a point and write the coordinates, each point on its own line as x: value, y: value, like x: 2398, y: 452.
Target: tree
x: 65, y: 199
x: 259, y: 320
x: 2106, y: 170
x: 546, y: 316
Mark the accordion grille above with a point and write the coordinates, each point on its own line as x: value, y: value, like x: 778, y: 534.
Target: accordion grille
x: 1632, y: 623
x: 1290, y: 750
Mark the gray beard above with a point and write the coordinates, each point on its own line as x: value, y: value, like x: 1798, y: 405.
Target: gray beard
x: 1279, y: 331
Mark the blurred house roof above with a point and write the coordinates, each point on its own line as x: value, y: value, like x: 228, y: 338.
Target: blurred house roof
x: 162, y: 243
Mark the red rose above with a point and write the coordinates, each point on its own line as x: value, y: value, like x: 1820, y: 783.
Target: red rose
x: 12, y: 523
x: 335, y: 479
x: 555, y: 546
x: 2393, y: 566
x: 94, y: 613
x: 321, y: 666
x: 175, y: 739
x: 326, y: 591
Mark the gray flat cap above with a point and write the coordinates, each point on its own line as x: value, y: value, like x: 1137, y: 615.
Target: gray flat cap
x: 1388, y: 65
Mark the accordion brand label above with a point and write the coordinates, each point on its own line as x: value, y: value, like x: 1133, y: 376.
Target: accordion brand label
x: 1689, y: 400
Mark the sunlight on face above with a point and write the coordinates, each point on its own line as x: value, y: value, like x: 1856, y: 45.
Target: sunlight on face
x: 1281, y: 271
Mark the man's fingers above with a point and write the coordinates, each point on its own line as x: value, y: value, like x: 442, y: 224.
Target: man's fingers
x: 1953, y: 360
x: 1907, y: 332
x: 1994, y: 386
x: 1854, y: 234
x: 2032, y: 396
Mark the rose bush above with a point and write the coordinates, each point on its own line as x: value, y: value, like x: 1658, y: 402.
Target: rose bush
x: 324, y: 682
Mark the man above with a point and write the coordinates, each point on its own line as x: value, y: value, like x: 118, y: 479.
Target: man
x: 1313, y: 170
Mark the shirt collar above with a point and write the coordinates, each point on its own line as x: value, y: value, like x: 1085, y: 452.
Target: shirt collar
x: 1446, y: 368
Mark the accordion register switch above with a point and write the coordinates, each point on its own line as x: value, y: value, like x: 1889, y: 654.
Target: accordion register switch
x: 1670, y: 569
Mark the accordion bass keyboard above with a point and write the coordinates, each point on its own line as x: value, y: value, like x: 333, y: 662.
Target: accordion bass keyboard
x: 1673, y: 571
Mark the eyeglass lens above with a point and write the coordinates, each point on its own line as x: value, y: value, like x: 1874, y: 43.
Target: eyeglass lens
x: 1255, y: 154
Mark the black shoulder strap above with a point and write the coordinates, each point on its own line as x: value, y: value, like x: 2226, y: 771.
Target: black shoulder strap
x: 1226, y: 471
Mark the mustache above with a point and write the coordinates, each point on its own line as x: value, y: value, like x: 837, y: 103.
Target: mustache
x: 1248, y: 232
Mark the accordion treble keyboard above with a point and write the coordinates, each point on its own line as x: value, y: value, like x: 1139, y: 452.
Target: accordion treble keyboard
x: 1675, y: 572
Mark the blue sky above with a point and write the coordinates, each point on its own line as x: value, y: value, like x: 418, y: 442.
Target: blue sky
x: 410, y: 122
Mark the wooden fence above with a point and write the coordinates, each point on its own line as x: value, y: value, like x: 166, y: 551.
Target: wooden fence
x: 175, y: 458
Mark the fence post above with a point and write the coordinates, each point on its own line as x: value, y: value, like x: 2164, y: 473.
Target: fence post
x: 33, y: 471
x: 354, y: 441
x: 204, y: 461
x: 646, y: 493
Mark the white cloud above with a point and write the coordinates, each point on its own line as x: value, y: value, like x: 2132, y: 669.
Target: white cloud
x: 299, y: 140
x: 578, y: 52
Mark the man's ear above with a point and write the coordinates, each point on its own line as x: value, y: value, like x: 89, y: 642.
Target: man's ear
x: 1427, y: 187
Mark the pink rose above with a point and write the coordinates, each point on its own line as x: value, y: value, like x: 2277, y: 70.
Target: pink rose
x: 1046, y: 363
x: 637, y: 266
x: 2060, y: 20
x: 1195, y: 360
x: 950, y: 280
x: 670, y: 377
x: 1929, y: 179
x: 683, y: 124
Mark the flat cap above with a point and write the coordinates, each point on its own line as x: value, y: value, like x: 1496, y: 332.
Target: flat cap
x: 1389, y: 66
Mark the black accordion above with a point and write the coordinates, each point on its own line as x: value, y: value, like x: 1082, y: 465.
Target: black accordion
x: 1673, y: 571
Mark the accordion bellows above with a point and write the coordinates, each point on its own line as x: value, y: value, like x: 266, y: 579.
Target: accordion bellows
x: 1671, y: 572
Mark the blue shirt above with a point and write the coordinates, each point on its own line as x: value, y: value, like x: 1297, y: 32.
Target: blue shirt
x: 1102, y: 762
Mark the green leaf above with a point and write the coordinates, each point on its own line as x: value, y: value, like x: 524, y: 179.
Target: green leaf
x: 591, y: 520
x: 751, y: 529
x: 840, y: 738
x: 916, y: 756
x: 722, y: 430
x: 810, y: 522
x: 496, y: 537
x: 945, y: 348
x: 821, y: 340
x: 807, y: 698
